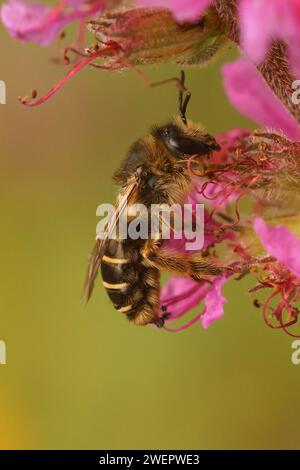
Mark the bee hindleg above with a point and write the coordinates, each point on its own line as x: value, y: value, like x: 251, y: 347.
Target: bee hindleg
x: 184, y: 265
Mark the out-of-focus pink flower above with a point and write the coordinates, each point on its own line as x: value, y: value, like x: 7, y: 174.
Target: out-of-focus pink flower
x: 280, y: 243
x: 40, y: 23
x: 183, y: 10
x: 249, y: 93
x: 24, y: 20
x: 265, y: 20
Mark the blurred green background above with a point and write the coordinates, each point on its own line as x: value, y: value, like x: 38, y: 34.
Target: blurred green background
x: 81, y: 376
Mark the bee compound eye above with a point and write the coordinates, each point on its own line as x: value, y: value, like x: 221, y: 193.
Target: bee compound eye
x: 151, y: 179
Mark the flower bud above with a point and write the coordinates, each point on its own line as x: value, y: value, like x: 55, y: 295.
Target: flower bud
x: 151, y: 35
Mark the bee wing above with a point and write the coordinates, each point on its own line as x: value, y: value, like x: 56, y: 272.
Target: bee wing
x: 94, y: 261
x: 125, y: 196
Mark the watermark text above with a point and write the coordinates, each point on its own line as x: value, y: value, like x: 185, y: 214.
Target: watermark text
x: 2, y: 352
x: 2, y: 92
x: 159, y: 221
x: 295, y: 357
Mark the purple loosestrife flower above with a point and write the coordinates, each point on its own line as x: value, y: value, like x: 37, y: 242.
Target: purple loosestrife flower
x: 127, y: 38
x: 288, y: 252
x: 143, y: 36
x: 149, y: 35
x: 283, y: 274
x: 264, y: 166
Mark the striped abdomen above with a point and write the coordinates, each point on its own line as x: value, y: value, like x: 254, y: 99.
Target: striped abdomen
x: 132, y: 286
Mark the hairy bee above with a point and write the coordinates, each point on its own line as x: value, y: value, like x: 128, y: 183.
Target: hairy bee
x: 152, y: 173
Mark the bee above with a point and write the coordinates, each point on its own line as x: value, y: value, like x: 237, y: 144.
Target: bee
x: 153, y: 172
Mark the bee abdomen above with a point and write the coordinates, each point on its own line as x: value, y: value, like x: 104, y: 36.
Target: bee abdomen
x: 118, y: 274
x: 132, y: 287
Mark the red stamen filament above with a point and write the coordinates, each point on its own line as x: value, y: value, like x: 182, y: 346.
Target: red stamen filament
x: 80, y: 65
x: 184, y: 326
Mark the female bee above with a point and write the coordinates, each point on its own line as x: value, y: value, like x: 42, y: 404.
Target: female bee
x: 152, y: 173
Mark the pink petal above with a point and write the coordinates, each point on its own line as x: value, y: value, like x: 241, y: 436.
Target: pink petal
x: 214, y: 302
x: 183, y: 10
x: 32, y: 21
x: 265, y: 20
x: 250, y: 94
x: 20, y: 18
x: 280, y: 243
x: 188, y: 293
x: 258, y: 21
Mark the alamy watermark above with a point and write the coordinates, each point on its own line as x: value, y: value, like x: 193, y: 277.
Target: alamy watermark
x: 295, y: 98
x: 295, y: 357
x: 159, y: 221
x: 2, y: 353
x: 2, y: 92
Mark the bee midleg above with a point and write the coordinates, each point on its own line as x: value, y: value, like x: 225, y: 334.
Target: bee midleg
x: 194, y: 266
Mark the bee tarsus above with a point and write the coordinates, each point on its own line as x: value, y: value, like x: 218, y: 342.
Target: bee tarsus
x: 160, y: 322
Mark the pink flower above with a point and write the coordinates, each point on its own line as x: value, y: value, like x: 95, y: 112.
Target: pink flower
x: 249, y: 93
x: 180, y: 295
x: 282, y: 275
x: 31, y: 21
x: 279, y: 269
x: 280, y: 243
x: 214, y: 302
x: 263, y: 21
x: 183, y: 10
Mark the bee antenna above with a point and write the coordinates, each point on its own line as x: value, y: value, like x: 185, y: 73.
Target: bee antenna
x: 183, y: 102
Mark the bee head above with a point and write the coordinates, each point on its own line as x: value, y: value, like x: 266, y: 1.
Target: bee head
x: 185, y: 141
